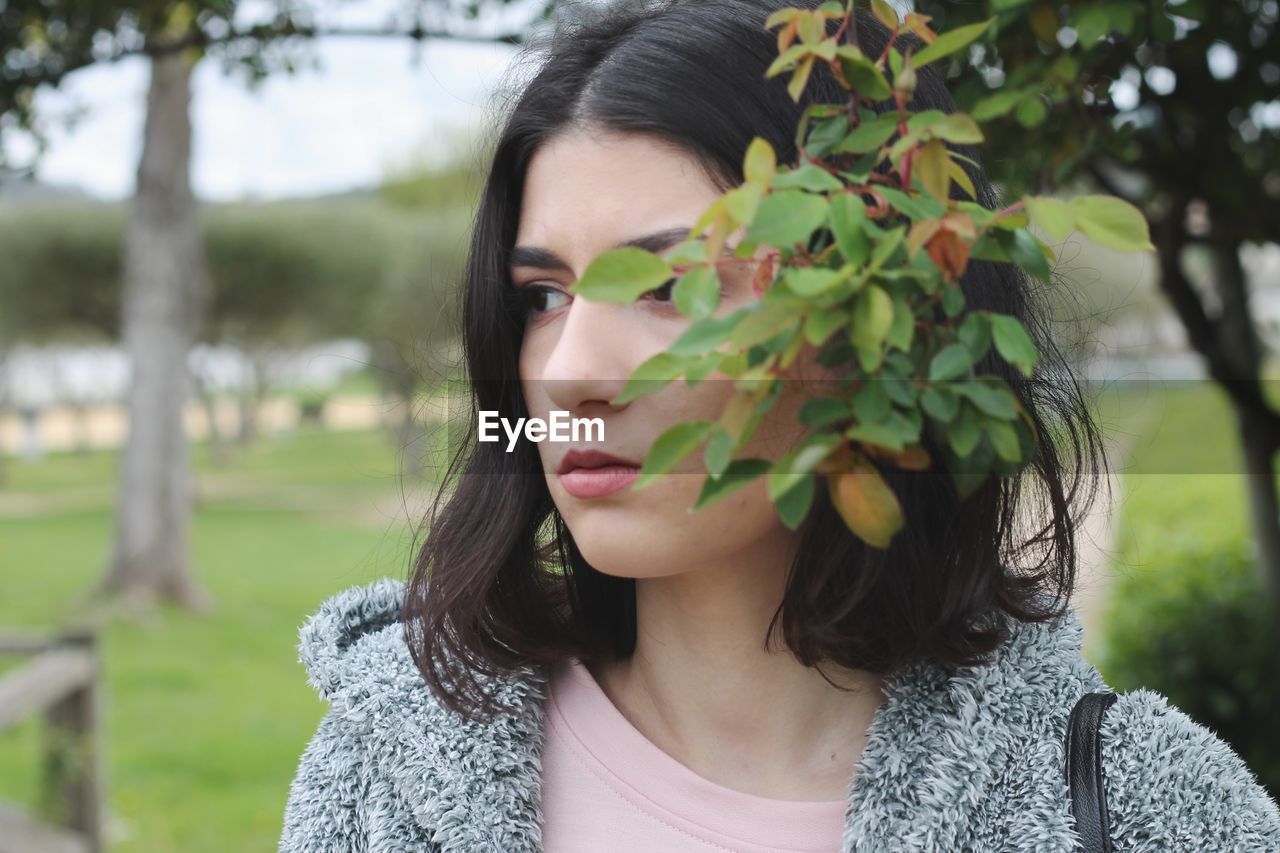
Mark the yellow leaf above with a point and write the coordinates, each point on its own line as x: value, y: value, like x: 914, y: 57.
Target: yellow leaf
x: 779, y: 17
x: 933, y: 165
x: 866, y: 503
x: 761, y: 162
x: 812, y: 28
x: 720, y: 229
x: 961, y: 177
x: 800, y: 78
x: 885, y: 13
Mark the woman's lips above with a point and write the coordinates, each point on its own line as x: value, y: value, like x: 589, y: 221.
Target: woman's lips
x: 598, y: 482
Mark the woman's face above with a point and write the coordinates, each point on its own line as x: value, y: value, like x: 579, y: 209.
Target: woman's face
x: 586, y: 192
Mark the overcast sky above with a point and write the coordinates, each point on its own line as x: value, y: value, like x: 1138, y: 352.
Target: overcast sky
x: 366, y: 111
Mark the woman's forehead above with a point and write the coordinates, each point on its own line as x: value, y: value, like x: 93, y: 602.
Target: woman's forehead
x: 598, y: 191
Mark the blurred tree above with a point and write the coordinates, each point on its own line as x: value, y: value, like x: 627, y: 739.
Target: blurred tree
x: 289, y: 274
x: 165, y: 280
x: 1173, y: 105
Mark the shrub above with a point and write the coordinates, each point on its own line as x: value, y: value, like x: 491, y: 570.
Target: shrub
x: 1199, y: 630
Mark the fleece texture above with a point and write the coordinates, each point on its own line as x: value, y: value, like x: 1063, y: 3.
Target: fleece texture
x: 966, y: 759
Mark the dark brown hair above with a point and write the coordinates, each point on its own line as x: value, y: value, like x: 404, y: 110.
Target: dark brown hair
x: 499, y: 585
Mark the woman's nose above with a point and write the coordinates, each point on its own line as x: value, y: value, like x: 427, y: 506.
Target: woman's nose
x: 589, y: 362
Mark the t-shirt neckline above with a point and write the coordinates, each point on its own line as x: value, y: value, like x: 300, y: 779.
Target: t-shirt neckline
x: 649, y: 772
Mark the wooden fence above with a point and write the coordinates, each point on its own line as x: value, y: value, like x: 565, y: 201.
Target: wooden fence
x: 62, y: 682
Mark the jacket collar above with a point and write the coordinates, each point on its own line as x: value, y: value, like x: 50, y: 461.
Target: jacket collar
x: 934, y: 753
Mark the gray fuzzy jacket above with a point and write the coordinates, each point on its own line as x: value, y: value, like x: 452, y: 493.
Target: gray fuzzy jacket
x: 967, y: 760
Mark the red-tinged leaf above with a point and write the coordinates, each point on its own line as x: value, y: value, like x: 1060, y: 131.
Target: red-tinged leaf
x: 920, y: 233
x: 919, y: 24
x: 949, y: 253
x: 763, y: 277
x: 913, y: 457
x: 787, y: 35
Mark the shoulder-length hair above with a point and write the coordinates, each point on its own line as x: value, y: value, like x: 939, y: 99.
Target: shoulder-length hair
x: 498, y: 583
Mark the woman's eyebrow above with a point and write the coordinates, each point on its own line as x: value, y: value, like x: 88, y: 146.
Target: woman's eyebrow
x: 540, y: 258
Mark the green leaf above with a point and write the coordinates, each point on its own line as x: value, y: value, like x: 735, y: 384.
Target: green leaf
x: 706, y: 334
x: 813, y: 281
x: 958, y: 128
x: 786, y: 58
x: 1013, y: 343
x: 889, y: 243
x: 797, y: 463
x: 940, y: 403
x: 1024, y: 249
x: 622, y: 275
x: 862, y: 75
x: 701, y: 366
x: 823, y: 411
x: 949, y: 42
x: 651, y: 375
x: 848, y: 215
x: 1054, y: 216
x: 872, y: 317
x: 739, y: 473
x: 965, y: 431
x: 1004, y: 436
x: 1031, y: 112
x: 1112, y: 222
x: 807, y: 177
x: 949, y: 362
x: 743, y: 201
x: 995, y: 401
x: 975, y: 333
x: 794, y: 505
x: 1091, y: 23
x: 763, y: 320
x: 915, y: 207
x: 871, y: 401
x: 826, y: 134
x: 998, y: 104
x: 668, y: 449
x: 869, y: 135
x: 787, y: 217
x: 903, y: 328
x: 697, y: 293
x: 719, y: 452
x: 820, y: 324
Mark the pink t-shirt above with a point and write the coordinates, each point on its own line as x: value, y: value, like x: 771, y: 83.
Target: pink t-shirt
x: 606, y: 787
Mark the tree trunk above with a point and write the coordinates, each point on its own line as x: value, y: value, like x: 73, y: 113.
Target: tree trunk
x: 1257, y: 434
x: 164, y: 291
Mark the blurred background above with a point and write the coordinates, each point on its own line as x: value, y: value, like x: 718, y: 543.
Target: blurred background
x: 231, y: 240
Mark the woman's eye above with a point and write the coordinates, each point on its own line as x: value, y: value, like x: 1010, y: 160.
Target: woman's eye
x: 541, y: 298
x: 663, y: 293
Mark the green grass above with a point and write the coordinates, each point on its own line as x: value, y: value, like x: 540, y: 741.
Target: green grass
x: 206, y: 715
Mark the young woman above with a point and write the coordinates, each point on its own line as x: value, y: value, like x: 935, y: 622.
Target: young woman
x: 577, y: 666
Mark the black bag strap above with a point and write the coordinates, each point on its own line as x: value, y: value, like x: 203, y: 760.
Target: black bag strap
x: 1084, y: 770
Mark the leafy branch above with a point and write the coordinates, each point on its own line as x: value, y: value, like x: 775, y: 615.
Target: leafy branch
x: 865, y: 239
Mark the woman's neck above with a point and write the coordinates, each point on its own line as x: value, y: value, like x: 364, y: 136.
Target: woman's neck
x: 701, y: 687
